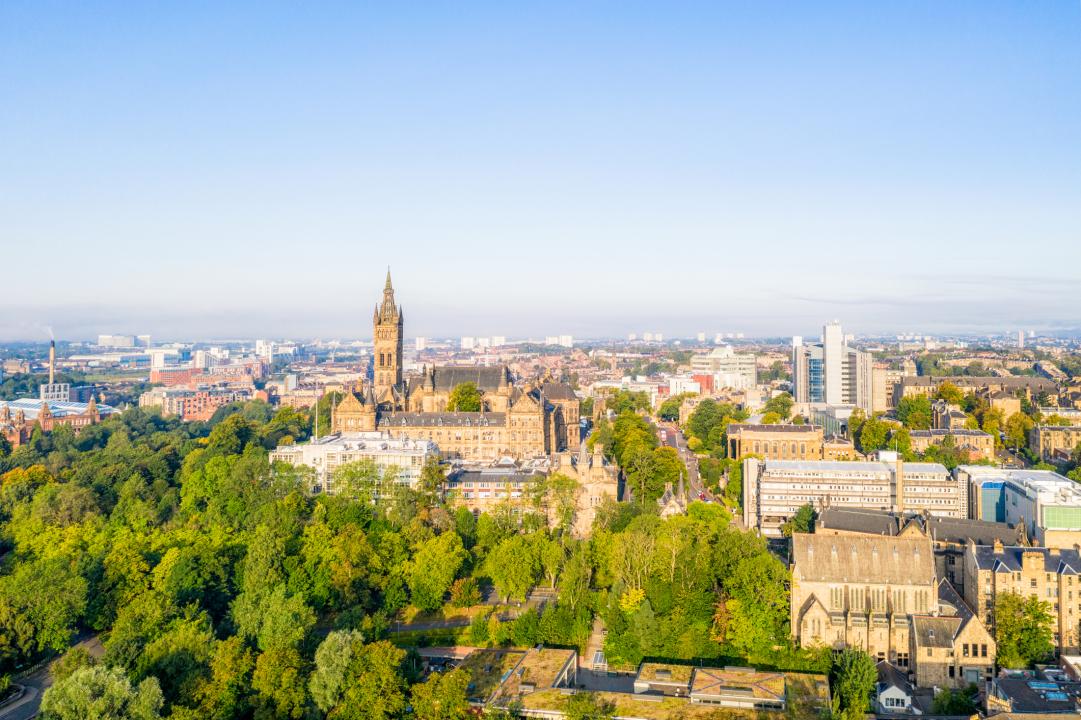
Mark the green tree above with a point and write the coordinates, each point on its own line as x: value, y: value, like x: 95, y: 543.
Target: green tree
x: 101, y: 693
x: 434, y: 568
x: 1018, y: 426
x: 780, y: 404
x: 1023, y: 630
x: 961, y: 701
x: 442, y: 696
x: 914, y: 412
x: 873, y: 435
x: 949, y: 392
x: 854, y: 676
x: 513, y: 566
x: 669, y: 409
x: 802, y: 522
x: 465, y: 397
x: 354, y: 681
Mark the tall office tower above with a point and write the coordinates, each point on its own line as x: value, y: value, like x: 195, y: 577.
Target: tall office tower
x: 831, y: 372
x: 420, y: 343
x: 468, y: 343
x: 833, y: 343
x: 1020, y: 338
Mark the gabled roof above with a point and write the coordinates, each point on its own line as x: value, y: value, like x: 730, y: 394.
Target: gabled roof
x: 935, y: 632
x: 862, y: 558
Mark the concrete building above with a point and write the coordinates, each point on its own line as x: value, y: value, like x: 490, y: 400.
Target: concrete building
x: 728, y: 368
x: 831, y: 372
x: 884, y: 378
x: 1050, y: 574
x: 116, y: 341
x: 1048, y: 504
x: 773, y: 491
x: 405, y: 458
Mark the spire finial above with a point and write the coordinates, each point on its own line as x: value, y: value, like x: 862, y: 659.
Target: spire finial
x: 388, y: 286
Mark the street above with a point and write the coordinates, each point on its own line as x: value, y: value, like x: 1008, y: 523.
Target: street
x: 38, y: 682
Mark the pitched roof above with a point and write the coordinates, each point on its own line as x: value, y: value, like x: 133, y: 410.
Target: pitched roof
x: 862, y: 558
x: 487, y: 379
x: 935, y: 632
x: 1008, y: 559
x: 871, y: 522
x: 558, y: 391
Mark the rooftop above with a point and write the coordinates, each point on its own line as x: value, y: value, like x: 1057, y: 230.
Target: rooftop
x: 744, y: 682
x: 59, y: 408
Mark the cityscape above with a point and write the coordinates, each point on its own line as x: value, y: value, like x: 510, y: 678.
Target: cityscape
x: 723, y: 361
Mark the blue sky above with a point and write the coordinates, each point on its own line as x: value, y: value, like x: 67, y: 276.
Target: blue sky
x: 197, y: 170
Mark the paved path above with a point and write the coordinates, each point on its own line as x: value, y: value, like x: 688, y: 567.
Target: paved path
x: 38, y: 682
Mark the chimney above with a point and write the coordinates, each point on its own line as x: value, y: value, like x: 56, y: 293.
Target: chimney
x: 52, y: 361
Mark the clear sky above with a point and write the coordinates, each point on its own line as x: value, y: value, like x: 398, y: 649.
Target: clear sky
x: 211, y: 169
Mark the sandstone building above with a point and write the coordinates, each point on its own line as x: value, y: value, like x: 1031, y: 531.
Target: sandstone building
x: 536, y: 418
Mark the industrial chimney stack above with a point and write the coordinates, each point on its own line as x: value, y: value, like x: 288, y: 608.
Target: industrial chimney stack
x: 52, y: 361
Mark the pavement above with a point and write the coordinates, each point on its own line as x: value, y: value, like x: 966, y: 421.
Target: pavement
x: 600, y: 680
x: 674, y: 438
x: 37, y: 682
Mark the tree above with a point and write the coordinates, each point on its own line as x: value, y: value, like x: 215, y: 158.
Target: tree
x: 854, y: 678
x: 1018, y: 426
x: 465, y: 397
x: 1023, y: 630
x: 442, y: 696
x: 961, y: 701
x: 914, y: 412
x: 101, y: 693
x: 771, y: 418
x: 513, y: 566
x: 949, y: 392
x: 353, y: 681
x: 432, y: 477
x: 780, y: 404
x: 669, y: 409
x: 802, y: 522
x: 434, y: 568
x: 873, y: 435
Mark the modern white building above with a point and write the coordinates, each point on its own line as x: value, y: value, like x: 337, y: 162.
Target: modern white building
x: 774, y: 490
x: 1047, y: 503
x: 326, y: 454
x: 420, y: 344
x: 831, y: 372
x: 728, y: 368
x: 116, y: 341
x: 468, y: 343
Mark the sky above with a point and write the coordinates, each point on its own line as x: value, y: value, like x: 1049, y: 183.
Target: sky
x: 209, y: 170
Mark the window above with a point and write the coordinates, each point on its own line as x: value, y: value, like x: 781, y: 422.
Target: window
x: 952, y: 670
x: 983, y: 650
x: 964, y: 649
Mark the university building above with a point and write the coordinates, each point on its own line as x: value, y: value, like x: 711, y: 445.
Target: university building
x: 517, y: 420
x: 881, y: 595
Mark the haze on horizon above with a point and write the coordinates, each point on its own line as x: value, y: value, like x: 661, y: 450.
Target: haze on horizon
x: 201, y: 171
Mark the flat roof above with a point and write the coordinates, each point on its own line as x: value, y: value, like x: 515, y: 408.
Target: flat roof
x: 741, y: 682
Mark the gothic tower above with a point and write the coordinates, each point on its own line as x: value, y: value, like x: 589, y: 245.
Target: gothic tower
x: 387, y: 354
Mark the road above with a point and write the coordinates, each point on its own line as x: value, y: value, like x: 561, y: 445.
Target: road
x: 39, y: 681
x: 674, y: 439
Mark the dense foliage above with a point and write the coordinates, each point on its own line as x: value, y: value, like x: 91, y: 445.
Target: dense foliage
x: 221, y: 588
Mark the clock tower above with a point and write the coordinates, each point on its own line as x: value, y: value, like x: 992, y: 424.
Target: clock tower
x: 387, y: 353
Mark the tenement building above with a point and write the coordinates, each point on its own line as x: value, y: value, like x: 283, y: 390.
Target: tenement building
x: 1049, y: 574
x: 1054, y: 443
x: 518, y: 420
x: 974, y: 444
x: 773, y: 491
x: 881, y: 595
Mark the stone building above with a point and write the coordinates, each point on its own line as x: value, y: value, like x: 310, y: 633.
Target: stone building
x: 520, y: 420
x: 775, y: 442
x: 881, y: 595
x: 1054, y: 443
x: 976, y: 444
x: 1050, y: 574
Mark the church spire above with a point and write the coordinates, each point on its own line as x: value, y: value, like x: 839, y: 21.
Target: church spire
x: 388, y: 286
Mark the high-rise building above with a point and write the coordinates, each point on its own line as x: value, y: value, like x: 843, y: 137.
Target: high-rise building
x: 468, y: 343
x: 831, y: 372
x: 498, y: 341
x: 566, y: 341
x: 420, y: 343
x: 701, y: 337
x: 1020, y: 338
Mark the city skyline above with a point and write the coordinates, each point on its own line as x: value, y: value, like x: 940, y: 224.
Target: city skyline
x: 231, y: 172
